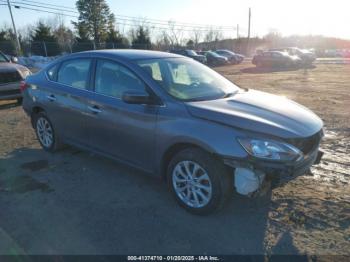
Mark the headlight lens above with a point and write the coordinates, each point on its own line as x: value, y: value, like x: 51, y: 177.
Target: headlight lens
x: 25, y: 73
x: 272, y: 150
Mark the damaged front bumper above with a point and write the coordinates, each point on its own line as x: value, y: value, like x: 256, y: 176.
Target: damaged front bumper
x: 278, y: 173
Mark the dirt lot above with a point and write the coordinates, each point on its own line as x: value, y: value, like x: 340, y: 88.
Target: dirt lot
x: 74, y: 202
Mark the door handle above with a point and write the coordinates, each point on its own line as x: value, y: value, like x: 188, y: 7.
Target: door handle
x: 51, y: 98
x: 94, y: 109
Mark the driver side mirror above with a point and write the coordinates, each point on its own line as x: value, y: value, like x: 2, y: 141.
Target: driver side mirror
x: 14, y: 59
x: 138, y: 97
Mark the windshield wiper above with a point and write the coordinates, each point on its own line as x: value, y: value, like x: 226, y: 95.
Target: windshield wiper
x: 229, y: 94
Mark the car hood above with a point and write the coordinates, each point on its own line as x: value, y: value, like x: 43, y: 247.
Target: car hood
x: 11, y: 67
x: 259, y: 112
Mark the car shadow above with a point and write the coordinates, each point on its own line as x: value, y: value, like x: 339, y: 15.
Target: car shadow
x: 9, y: 104
x: 74, y: 202
x: 266, y: 69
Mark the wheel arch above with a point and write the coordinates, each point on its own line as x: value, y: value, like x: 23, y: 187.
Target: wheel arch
x: 35, y: 110
x: 175, y: 148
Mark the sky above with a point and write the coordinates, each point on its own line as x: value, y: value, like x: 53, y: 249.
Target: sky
x: 288, y: 17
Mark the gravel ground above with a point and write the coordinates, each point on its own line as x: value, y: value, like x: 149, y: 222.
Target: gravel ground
x: 74, y: 202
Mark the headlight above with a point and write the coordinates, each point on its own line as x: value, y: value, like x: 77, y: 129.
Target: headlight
x: 25, y: 73
x: 272, y: 150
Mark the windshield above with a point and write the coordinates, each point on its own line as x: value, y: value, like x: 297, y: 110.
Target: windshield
x: 191, y: 52
x: 3, y: 58
x: 213, y: 54
x: 188, y: 80
x: 227, y: 52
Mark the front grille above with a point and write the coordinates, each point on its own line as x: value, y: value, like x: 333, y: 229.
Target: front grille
x: 9, y: 77
x: 10, y: 92
x: 308, y: 144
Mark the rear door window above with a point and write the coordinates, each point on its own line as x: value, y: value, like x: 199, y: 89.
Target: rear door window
x: 75, y: 73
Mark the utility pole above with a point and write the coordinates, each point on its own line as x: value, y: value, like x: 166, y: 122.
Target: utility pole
x: 249, y: 19
x: 14, y: 29
x: 237, y: 31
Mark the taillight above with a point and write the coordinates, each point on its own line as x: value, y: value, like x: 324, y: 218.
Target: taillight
x: 23, y: 86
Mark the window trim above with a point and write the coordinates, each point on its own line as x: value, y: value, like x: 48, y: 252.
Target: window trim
x: 55, y: 75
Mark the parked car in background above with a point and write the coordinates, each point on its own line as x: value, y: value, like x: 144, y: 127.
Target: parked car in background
x: 192, y: 54
x: 232, y: 57
x: 174, y: 118
x: 275, y: 59
x: 213, y: 59
x: 11, y: 74
x: 306, y: 56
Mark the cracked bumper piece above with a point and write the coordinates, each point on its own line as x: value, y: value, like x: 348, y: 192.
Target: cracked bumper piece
x: 278, y: 173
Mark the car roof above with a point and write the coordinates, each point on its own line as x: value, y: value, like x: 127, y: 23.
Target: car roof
x: 131, y: 54
x: 276, y: 52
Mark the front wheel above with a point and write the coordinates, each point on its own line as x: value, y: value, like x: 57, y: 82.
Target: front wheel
x: 199, y: 182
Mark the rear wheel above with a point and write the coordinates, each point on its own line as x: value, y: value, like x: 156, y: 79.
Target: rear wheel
x: 198, y: 181
x: 45, y: 132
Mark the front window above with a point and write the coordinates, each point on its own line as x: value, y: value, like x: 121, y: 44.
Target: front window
x: 188, y: 80
x: 113, y: 79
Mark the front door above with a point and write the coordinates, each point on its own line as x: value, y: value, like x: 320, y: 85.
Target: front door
x: 125, y: 131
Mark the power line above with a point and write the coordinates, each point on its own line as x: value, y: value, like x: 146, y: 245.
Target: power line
x: 177, y: 23
x: 50, y: 8
x: 40, y: 10
x: 162, y: 22
x: 126, y: 20
x: 152, y: 24
x: 60, y: 6
x: 175, y: 26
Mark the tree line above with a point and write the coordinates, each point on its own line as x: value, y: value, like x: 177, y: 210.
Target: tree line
x: 96, y: 28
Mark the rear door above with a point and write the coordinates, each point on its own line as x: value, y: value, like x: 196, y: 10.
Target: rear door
x: 125, y: 131
x: 67, y: 99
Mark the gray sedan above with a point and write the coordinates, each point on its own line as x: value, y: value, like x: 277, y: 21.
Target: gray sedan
x: 175, y: 118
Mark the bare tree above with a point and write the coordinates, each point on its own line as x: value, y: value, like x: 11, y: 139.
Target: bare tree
x: 163, y: 41
x: 212, y: 37
x: 196, y: 36
x: 176, y: 34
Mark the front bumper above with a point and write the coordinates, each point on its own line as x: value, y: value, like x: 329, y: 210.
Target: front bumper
x: 10, y: 91
x: 279, y: 173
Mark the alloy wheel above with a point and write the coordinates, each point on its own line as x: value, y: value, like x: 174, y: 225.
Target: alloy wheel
x: 44, y: 132
x: 192, y: 184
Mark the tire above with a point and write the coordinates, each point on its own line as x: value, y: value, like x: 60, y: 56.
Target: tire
x: 210, y: 187
x: 44, y: 128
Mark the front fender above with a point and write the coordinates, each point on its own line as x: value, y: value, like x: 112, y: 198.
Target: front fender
x: 210, y: 136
